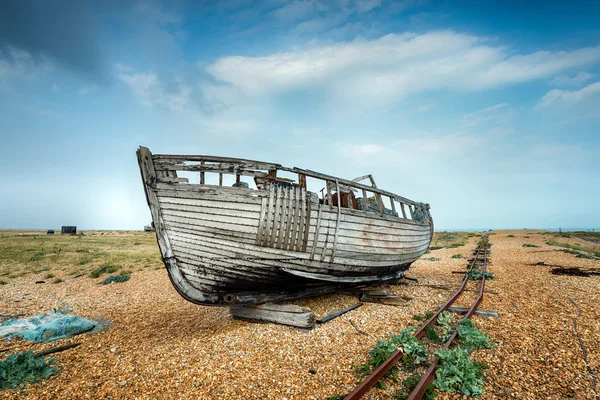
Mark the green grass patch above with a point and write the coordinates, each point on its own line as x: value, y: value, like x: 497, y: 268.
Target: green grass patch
x: 530, y: 245
x: 116, y: 279
x: 457, y: 256
x: 577, y: 249
x: 432, y: 259
x: 20, y: 369
x: 449, y: 240
x: 511, y: 236
x: 49, y: 276
x: 37, y: 256
x: 3, y: 283
x: 105, y: 269
x: 57, y: 280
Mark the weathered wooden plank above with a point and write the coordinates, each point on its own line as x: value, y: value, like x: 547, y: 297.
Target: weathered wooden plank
x: 262, y: 221
x: 479, y: 312
x: 300, y: 317
x: 343, y: 279
x: 243, y: 220
x: 306, y: 210
x: 383, y: 297
x: 297, y: 259
x: 356, y: 185
x: 169, y: 179
x: 337, y: 223
x: 200, y: 231
x: 213, y: 211
x: 252, y: 205
x: 403, y: 211
x: 316, y: 235
x: 336, y: 314
x: 178, y: 159
x: 217, y: 169
x: 284, y: 237
x: 270, y: 217
x: 210, y: 223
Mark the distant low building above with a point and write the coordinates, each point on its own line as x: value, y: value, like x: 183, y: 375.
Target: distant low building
x: 50, y: 232
x: 69, y: 230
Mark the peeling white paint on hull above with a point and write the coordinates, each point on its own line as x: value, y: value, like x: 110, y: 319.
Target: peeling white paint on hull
x: 240, y: 245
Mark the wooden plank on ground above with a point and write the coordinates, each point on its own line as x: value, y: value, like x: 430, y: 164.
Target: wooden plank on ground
x: 481, y: 313
x: 337, y: 313
x: 284, y: 314
x: 384, y: 297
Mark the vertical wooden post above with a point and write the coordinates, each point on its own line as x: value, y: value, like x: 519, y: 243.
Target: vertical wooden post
x: 403, y: 211
x: 220, y: 179
x: 393, y: 207
x: 237, y: 180
x: 329, y: 201
x: 302, y: 180
x: 202, y: 173
x: 337, y: 224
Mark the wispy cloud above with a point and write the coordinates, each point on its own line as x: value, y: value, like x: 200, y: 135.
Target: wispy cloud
x: 570, y: 97
x: 386, y: 70
x: 499, y: 114
x: 152, y: 92
x: 575, y: 80
x: 17, y: 63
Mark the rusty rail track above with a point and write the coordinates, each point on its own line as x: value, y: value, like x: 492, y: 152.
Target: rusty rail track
x: 480, y: 254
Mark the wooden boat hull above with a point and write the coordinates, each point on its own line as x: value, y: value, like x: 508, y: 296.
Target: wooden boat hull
x: 235, y: 245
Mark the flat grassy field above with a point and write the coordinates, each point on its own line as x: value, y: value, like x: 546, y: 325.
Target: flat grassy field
x: 59, y: 257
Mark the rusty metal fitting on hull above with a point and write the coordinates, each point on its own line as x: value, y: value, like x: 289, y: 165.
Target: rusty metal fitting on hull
x: 230, y: 298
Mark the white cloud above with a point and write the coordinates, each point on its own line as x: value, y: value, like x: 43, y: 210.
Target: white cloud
x: 86, y: 89
x: 570, y: 97
x: 576, y: 80
x: 152, y: 92
x: 386, y: 70
x: 367, y: 5
x: 17, y: 63
x: 297, y: 10
x: 498, y: 114
x: 413, y: 151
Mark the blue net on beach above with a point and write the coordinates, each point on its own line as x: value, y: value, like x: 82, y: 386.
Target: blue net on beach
x: 47, y: 327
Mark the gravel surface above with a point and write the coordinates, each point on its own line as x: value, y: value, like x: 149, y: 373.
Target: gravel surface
x: 159, y: 346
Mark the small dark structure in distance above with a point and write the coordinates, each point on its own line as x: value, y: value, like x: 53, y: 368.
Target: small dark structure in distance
x: 50, y: 232
x: 69, y: 230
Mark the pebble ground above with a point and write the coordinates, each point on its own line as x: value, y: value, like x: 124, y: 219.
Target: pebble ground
x: 158, y: 346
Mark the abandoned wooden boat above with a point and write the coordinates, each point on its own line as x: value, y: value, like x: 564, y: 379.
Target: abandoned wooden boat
x: 270, y: 234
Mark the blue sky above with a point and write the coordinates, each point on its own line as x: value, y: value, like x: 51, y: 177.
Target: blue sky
x: 489, y: 111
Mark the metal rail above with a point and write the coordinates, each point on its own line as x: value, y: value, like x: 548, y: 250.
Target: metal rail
x: 428, y: 376
x: 371, y: 380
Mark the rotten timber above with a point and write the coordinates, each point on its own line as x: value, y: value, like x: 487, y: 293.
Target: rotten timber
x: 336, y: 314
x: 242, y: 245
x: 284, y: 314
x: 384, y: 297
